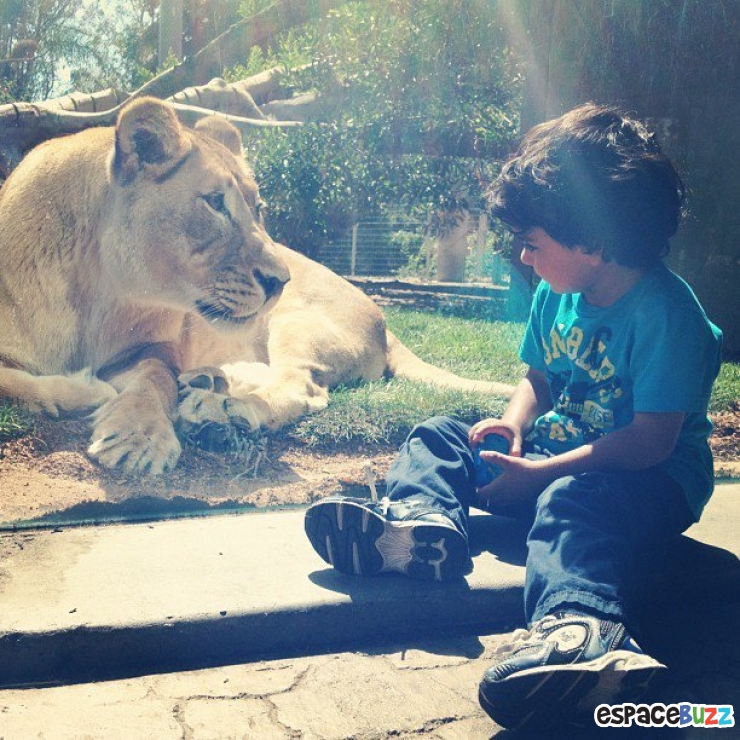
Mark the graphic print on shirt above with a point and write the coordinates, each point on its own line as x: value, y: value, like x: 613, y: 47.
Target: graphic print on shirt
x: 583, y: 384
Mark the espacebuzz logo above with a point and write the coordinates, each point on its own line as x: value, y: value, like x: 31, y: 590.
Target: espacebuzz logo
x: 664, y: 715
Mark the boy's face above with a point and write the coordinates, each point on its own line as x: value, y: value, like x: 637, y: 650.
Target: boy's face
x: 566, y: 270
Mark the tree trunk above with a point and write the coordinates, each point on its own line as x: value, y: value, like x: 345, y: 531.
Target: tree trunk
x: 170, y: 31
x: 452, y: 247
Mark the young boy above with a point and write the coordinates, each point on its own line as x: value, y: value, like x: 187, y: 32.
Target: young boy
x: 608, y: 429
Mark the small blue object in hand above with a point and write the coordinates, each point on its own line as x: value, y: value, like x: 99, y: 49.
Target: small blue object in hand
x: 486, y: 472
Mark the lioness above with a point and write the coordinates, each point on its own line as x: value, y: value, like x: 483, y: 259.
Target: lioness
x: 132, y: 256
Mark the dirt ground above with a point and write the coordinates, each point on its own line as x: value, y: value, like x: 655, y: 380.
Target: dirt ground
x: 48, y: 477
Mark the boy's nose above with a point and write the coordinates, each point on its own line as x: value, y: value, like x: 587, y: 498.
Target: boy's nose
x: 526, y: 257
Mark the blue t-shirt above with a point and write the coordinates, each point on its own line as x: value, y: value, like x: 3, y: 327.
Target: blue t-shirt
x: 653, y: 350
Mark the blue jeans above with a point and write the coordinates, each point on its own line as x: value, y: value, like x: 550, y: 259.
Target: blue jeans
x: 585, y: 528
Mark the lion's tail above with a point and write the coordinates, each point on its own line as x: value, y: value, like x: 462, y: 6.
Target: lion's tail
x: 403, y: 363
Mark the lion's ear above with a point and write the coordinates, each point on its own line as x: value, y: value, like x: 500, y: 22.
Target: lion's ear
x: 149, y: 139
x: 225, y: 133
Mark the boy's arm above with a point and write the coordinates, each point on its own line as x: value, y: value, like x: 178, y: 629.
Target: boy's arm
x: 647, y: 441
x: 531, y: 399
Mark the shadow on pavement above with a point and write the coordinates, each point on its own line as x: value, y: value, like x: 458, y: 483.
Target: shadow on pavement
x: 504, y: 537
x: 688, y: 609
x: 128, y: 511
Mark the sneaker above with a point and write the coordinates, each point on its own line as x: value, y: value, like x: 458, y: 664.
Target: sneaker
x: 365, y: 537
x: 558, y: 673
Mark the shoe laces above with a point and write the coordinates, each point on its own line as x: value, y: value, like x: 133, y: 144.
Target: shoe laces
x: 370, y: 479
x: 520, y: 638
x: 517, y: 639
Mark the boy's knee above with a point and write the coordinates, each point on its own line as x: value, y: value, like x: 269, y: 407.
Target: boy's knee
x: 555, y: 494
x: 565, y: 492
x: 440, y: 433
x: 591, y: 495
x: 436, y: 425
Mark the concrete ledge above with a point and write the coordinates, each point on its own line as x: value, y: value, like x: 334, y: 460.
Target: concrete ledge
x: 120, y: 600
x: 83, y: 604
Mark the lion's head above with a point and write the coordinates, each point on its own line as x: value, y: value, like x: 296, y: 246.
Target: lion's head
x: 183, y: 226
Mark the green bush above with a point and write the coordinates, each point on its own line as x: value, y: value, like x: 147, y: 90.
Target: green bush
x: 414, y: 78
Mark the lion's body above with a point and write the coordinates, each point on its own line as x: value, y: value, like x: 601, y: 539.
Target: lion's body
x: 131, y: 256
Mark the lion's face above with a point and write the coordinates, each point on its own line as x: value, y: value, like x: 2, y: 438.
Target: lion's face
x: 184, y: 227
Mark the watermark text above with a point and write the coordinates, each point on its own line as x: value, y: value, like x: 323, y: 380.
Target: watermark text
x: 665, y: 715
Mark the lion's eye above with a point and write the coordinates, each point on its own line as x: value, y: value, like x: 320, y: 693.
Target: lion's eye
x: 216, y: 202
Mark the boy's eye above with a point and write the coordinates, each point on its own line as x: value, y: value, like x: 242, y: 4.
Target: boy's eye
x: 521, y: 242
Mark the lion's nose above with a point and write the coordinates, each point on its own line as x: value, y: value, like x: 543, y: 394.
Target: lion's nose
x: 270, y: 284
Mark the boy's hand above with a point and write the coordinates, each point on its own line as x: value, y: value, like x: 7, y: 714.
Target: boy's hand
x: 496, y: 426
x: 521, y: 482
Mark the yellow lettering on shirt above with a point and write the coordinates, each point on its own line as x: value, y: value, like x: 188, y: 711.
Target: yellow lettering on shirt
x: 604, y: 371
x: 573, y: 342
x: 557, y: 344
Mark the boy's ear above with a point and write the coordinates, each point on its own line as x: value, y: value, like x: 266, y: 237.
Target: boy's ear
x: 596, y: 254
x: 149, y: 140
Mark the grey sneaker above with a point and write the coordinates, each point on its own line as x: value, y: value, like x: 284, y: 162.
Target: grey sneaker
x: 558, y: 673
x: 365, y: 537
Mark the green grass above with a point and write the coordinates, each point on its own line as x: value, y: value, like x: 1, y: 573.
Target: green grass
x: 477, y: 348
x: 726, y: 391
x: 384, y: 411
x: 14, y: 422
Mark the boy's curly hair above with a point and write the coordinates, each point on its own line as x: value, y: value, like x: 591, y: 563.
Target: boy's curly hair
x: 593, y: 178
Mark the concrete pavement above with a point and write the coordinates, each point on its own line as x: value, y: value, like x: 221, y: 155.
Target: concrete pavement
x: 88, y: 603
x: 310, y: 653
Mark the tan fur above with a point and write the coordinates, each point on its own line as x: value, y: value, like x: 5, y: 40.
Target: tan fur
x: 120, y: 270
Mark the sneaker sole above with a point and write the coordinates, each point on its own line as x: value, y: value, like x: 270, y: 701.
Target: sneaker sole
x: 355, y: 540
x: 552, y: 696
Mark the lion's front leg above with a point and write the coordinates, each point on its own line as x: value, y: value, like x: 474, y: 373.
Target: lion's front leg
x: 286, y: 394
x: 247, y: 395
x: 57, y: 396
x: 135, y: 431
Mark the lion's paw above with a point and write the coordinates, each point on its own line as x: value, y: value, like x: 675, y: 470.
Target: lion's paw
x: 205, y: 378
x: 134, y: 440
x: 208, y: 417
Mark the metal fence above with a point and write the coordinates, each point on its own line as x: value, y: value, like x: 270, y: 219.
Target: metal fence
x: 401, y: 247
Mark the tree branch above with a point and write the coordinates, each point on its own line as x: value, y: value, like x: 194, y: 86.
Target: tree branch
x: 24, y: 125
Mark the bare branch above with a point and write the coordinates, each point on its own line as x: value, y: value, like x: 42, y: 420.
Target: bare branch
x: 302, y: 107
x: 190, y: 114
x: 240, y: 98
x: 96, y: 102
x: 264, y: 86
x: 217, y: 95
x: 24, y: 125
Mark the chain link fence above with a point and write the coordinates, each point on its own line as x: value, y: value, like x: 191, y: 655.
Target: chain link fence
x: 462, y: 248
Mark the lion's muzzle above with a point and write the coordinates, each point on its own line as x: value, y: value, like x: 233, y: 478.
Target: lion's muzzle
x: 271, y: 284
